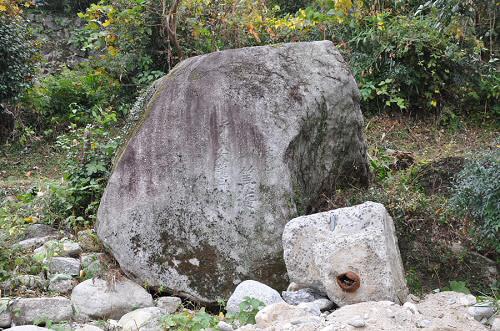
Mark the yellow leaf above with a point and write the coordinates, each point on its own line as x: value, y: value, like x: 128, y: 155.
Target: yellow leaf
x: 30, y: 219
x: 112, y: 50
x: 433, y: 103
x: 3, y: 8
x: 106, y: 23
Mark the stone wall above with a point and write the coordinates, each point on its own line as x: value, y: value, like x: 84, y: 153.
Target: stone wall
x: 55, y: 35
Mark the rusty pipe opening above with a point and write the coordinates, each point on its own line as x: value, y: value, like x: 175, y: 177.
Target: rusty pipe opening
x: 349, y: 281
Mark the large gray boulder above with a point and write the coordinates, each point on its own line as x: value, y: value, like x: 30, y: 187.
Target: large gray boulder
x: 231, y: 145
x: 351, y: 254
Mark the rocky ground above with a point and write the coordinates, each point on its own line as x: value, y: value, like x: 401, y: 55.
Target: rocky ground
x: 80, y: 288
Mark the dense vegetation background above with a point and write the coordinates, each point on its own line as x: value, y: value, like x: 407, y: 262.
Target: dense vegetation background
x: 427, y: 72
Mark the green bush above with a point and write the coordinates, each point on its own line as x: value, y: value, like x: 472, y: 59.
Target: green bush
x: 17, y: 55
x: 72, y: 96
x: 477, y: 195
x: 406, y: 63
x: 73, y: 203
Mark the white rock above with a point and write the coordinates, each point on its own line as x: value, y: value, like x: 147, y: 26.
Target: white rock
x: 481, y: 311
x: 223, y: 326
x: 27, y: 328
x: 143, y: 319
x: 30, y: 310
x: 168, y: 305
x: 253, y: 289
x: 96, y: 298
x: 320, y: 248
x: 64, y: 265
x: 357, y: 322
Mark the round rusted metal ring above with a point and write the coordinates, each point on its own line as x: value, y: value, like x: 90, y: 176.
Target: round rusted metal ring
x: 349, y: 281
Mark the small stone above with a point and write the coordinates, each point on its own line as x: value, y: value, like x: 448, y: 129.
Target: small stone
x: 61, y: 283
x: 29, y: 310
x: 223, y: 326
x: 302, y: 295
x: 34, y: 242
x: 357, y: 322
x: 88, y: 241
x: 58, y: 248
x: 253, y: 289
x: 424, y: 324
x: 168, y: 305
x: 411, y: 307
x: 144, y: 319
x: 480, y: 312
x: 64, y: 265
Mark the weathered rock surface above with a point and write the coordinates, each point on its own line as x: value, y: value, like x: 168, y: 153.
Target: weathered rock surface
x: 439, y: 312
x: 96, y: 298
x: 64, y: 265
x: 168, y: 305
x: 61, y: 283
x: 327, y: 251
x: 252, y: 289
x: 230, y: 146
x: 144, y: 319
x: 31, y: 310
